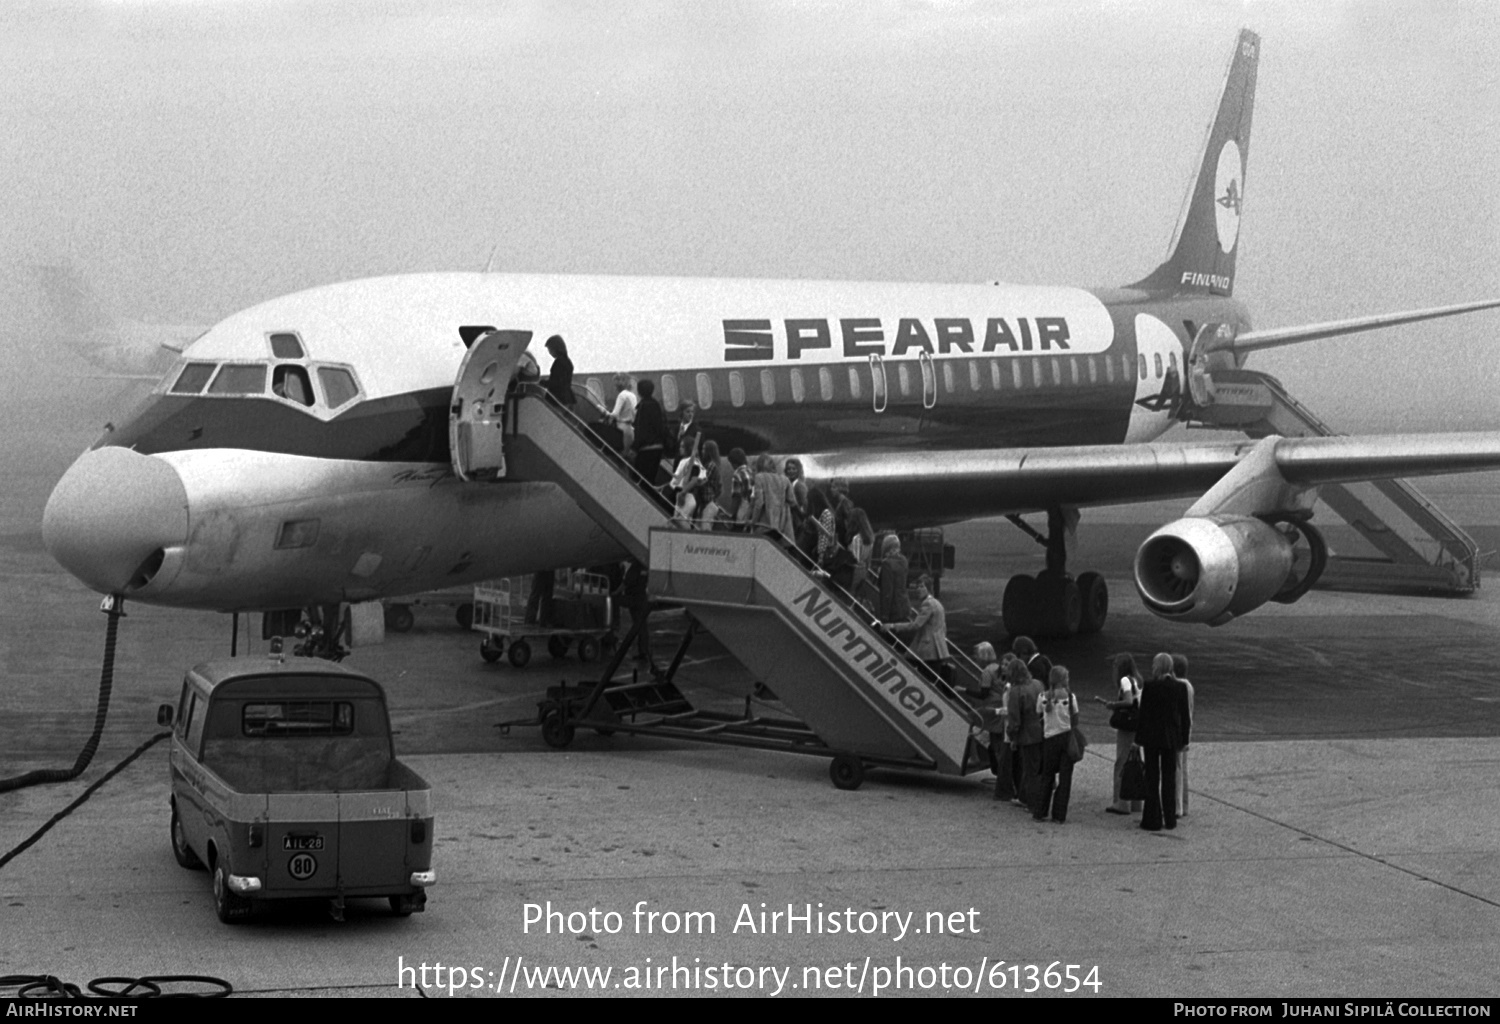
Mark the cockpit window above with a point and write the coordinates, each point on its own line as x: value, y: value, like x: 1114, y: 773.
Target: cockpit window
x: 292, y: 383
x: 287, y: 345
x: 192, y: 378
x: 239, y: 380
x: 338, y: 385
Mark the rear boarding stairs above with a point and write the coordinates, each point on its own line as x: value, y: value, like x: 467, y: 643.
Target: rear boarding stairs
x: 860, y: 695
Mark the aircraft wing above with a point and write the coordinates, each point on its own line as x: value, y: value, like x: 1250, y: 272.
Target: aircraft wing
x: 1253, y: 341
x: 900, y: 488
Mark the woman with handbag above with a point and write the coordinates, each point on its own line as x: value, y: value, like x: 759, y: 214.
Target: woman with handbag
x: 1125, y: 710
x: 1059, y: 710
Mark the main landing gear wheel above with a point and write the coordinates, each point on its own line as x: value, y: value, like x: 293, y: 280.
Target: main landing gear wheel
x: 465, y: 615
x: 556, y: 732
x: 490, y: 650
x: 1095, y: 594
x: 231, y: 908
x: 847, y: 772
x: 557, y: 646
x: 180, y: 848
x: 588, y: 649
x: 1018, y: 606
x: 520, y: 653
x: 1059, y: 605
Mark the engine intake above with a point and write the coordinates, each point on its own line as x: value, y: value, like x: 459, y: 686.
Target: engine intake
x: 1213, y: 568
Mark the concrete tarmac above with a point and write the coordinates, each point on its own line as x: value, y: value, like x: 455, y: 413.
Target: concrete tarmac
x: 1342, y: 836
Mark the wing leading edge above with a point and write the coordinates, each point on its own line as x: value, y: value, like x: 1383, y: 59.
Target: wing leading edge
x: 902, y: 489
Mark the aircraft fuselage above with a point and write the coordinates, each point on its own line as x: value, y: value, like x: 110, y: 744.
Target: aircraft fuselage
x: 345, y: 490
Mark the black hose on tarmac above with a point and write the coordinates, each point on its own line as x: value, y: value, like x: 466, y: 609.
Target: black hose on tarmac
x: 114, y: 607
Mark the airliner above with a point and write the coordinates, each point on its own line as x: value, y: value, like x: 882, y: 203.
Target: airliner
x: 302, y: 453
x: 124, y: 348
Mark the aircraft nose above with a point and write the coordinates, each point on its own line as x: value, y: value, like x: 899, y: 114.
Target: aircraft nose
x: 112, y: 516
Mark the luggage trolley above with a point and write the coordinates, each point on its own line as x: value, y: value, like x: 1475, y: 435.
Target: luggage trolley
x: 580, y: 612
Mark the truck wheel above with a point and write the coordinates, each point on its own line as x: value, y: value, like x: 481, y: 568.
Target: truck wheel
x: 556, y: 732
x: 847, y: 772
x: 180, y: 848
x: 230, y: 907
x: 465, y: 615
x: 520, y: 653
x: 400, y: 618
x: 405, y: 906
x: 489, y: 650
x: 557, y: 646
x: 588, y: 649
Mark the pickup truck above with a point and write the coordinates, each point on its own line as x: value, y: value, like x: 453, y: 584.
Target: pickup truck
x: 285, y: 785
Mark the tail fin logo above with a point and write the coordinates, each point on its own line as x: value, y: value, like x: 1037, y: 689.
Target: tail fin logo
x: 1228, y: 186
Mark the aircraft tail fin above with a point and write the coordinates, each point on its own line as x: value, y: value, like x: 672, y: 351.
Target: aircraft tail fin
x: 72, y: 301
x: 1201, y: 260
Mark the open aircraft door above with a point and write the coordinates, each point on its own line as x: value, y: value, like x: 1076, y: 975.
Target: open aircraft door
x: 476, y: 419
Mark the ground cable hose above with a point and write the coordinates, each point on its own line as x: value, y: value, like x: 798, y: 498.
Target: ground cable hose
x: 113, y: 606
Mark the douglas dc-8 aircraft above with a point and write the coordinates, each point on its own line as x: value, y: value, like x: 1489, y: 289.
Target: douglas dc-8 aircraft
x: 299, y: 452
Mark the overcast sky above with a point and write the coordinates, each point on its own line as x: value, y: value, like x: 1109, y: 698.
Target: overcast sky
x: 196, y: 157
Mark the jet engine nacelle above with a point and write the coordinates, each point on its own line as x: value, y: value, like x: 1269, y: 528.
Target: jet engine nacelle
x: 1212, y: 568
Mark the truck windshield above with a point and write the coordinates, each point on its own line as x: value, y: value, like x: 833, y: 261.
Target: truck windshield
x: 298, y: 718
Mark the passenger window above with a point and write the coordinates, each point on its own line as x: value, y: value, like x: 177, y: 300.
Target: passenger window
x: 1036, y: 373
x: 736, y: 388
x: 1056, y: 371
x: 705, y: 391
x: 291, y: 383
x: 799, y: 391
x: 192, y: 378
x: 1142, y: 361
x: 1156, y: 359
x: 948, y: 384
x: 973, y: 376
x: 1015, y: 373
x: 854, y: 385
x: 995, y: 379
x: 239, y: 380
x: 1093, y: 370
x: 903, y: 378
x: 825, y: 383
x: 1109, y: 369
x: 338, y: 385
x: 287, y: 346
x: 1073, y: 369
x: 767, y: 387
x: 669, y: 396
x: 1172, y: 361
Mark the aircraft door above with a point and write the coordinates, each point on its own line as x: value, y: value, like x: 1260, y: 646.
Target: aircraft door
x: 476, y: 417
x: 929, y: 379
x: 877, y: 382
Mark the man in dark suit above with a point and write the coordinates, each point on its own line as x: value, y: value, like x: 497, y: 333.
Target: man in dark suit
x: 1163, y: 730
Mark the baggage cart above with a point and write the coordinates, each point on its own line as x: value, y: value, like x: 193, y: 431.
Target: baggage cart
x: 579, y: 615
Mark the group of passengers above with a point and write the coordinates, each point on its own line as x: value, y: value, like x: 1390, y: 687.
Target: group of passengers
x: 1031, y: 713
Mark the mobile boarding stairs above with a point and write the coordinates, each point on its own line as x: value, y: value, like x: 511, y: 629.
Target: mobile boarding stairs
x: 1423, y: 549
x: 860, y: 696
